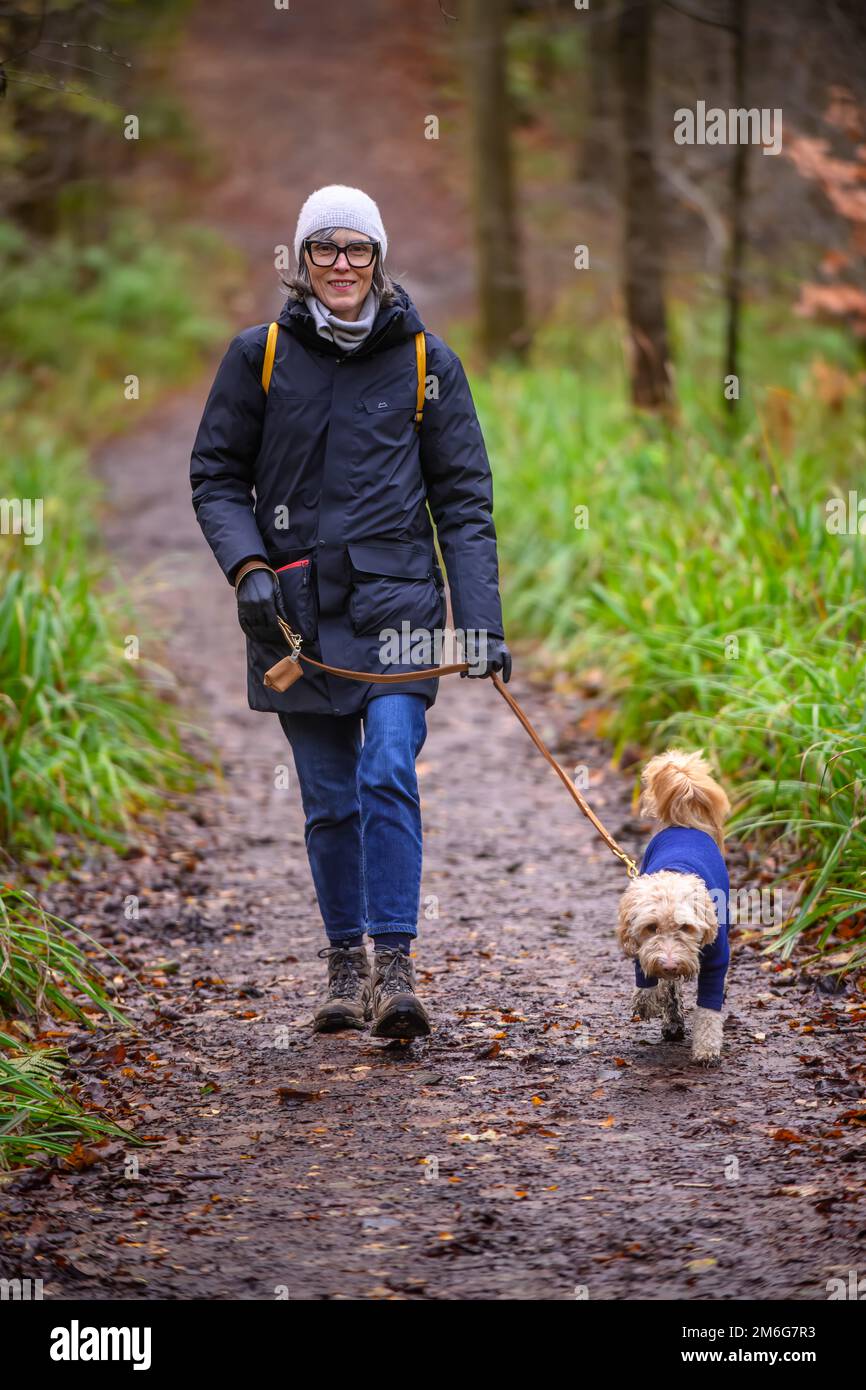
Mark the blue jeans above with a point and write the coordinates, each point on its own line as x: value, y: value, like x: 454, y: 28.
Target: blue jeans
x: 362, y: 812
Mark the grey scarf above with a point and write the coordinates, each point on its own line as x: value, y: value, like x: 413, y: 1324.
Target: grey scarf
x: 346, y: 335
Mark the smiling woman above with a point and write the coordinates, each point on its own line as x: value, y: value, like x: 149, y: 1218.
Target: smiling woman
x: 334, y: 445
x: 341, y: 270
x: 313, y: 271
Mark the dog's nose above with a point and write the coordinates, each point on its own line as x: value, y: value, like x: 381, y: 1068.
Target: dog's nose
x: 669, y: 963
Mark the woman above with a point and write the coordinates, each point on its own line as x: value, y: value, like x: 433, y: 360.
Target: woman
x: 326, y: 478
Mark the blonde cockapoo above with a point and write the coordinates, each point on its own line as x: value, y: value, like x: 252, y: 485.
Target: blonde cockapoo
x: 673, y: 919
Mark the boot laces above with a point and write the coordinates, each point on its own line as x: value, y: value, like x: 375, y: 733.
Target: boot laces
x: 396, y: 978
x: 344, y: 977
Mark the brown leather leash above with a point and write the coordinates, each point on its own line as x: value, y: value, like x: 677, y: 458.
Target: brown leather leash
x: 630, y: 865
x: 284, y: 674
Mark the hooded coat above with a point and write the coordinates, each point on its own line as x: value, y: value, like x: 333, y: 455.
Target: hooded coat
x: 327, y: 477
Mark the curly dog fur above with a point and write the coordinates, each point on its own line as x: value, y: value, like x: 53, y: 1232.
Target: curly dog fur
x: 666, y: 917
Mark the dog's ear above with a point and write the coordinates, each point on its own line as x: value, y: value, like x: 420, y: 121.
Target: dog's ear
x: 626, y: 930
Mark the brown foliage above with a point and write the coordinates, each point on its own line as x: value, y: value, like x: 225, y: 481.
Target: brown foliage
x: 843, y: 183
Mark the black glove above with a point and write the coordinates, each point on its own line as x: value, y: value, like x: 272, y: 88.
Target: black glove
x: 498, y: 658
x: 260, y: 603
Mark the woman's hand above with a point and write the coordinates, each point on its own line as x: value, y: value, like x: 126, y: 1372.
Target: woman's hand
x: 260, y: 604
x: 496, y: 658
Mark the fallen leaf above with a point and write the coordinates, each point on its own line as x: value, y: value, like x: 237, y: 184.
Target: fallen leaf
x: 289, y: 1095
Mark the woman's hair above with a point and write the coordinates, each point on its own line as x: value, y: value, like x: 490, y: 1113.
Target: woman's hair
x: 298, y: 284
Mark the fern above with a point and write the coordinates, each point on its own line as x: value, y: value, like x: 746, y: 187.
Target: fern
x: 40, y: 1065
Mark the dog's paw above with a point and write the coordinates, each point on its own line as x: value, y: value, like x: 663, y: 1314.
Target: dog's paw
x: 645, y: 1003
x: 712, y: 1060
x: 670, y: 1000
x: 707, y: 1029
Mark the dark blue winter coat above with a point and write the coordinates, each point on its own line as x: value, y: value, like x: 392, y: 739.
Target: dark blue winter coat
x: 327, y: 469
x: 684, y: 850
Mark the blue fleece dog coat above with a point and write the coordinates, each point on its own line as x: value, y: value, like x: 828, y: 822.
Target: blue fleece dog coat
x: 687, y: 851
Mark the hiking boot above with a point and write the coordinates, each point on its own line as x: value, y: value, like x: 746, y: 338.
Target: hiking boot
x: 397, y: 1010
x: 349, y: 990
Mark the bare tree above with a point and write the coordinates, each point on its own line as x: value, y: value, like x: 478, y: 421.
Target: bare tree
x: 599, y: 115
x: 59, y: 75
x: 738, y: 195
x: 502, y: 299
x: 643, y: 259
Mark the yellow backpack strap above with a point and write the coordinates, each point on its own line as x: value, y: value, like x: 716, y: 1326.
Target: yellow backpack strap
x: 421, y: 360
x: 270, y: 351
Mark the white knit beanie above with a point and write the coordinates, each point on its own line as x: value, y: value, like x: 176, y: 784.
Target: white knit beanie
x: 340, y: 206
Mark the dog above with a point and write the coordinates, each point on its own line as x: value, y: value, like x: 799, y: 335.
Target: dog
x: 673, y: 918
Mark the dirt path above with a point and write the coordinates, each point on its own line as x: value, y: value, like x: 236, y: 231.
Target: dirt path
x: 540, y: 1143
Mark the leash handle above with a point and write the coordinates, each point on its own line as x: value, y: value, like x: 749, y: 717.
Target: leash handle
x: 584, y: 806
x: 293, y: 641
x: 426, y: 673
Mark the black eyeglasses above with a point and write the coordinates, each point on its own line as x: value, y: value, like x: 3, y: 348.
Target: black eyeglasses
x: 358, y: 253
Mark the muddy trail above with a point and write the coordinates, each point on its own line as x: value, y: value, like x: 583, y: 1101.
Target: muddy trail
x: 540, y: 1144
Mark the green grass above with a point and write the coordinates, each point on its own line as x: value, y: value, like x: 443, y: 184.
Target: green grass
x: 76, y: 320
x: 85, y: 743
x: 47, y: 972
x: 44, y: 968
x: 706, y: 585
x: 39, y: 1118
x: 87, y: 738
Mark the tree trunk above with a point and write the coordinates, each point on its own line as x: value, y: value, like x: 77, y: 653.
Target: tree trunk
x: 599, y: 115
x: 643, y: 262
x: 500, y: 285
x: 738, y: 196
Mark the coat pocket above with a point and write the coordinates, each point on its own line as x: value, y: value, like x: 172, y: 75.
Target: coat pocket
x: 299, y: 597
x: 389, y: 405
x: 392, y: 583
x: 385, y: 420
